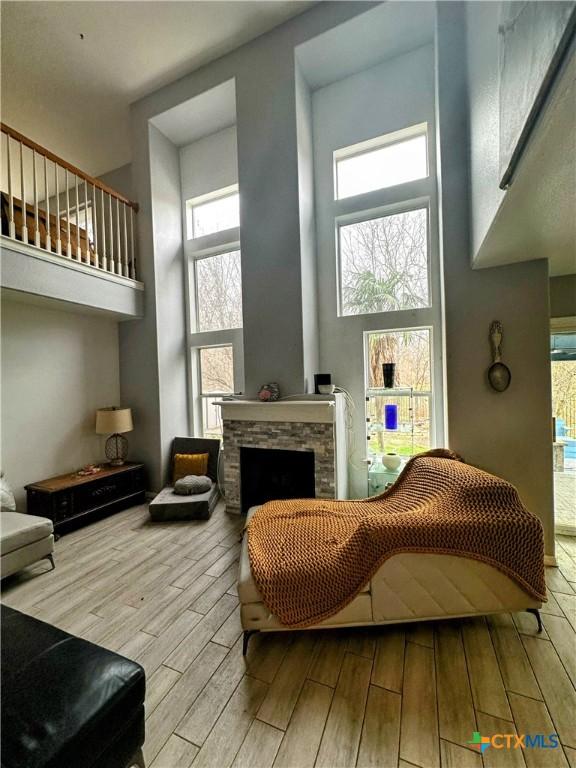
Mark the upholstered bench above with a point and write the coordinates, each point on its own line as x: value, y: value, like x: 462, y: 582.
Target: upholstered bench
x: 67, y: 703
x: 168, y: 505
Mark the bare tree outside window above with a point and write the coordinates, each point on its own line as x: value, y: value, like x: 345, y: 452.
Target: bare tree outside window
x: 384, y: 263
x: 216, y: 370
x: 219, y: 292
x: 216, y: 379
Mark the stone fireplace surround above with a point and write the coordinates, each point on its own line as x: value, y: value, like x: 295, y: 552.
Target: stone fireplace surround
x: 312, y: 424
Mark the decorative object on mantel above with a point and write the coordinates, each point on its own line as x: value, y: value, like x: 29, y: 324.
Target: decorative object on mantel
x: 326, y: 389
x: 321, y: 380
x: 388, y: 374
x: 114, y: 421
x: 499, y: 375
x: 269, y: 393
x: 391, y: 461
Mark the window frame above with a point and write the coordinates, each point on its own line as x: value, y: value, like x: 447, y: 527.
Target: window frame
x: 195, y: 249
x: 384, y: 211
x: 194, y: 202
x: 202, y: 256
x: 429, y: 395
x: 380, y: 142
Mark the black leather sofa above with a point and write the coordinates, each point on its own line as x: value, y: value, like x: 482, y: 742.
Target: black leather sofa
x: 66, y: 703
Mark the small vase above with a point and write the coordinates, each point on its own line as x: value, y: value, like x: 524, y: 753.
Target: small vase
x: 391, y: 461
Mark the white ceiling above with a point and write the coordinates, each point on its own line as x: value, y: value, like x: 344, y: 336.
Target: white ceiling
x: 73, y: 95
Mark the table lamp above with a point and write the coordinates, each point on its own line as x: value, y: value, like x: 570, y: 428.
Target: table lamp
x: 113, y: 421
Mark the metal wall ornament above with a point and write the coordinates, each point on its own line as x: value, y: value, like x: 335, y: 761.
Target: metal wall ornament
x: 499, y: 375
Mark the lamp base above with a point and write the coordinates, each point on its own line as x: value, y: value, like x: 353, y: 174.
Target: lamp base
x: 116, y: 450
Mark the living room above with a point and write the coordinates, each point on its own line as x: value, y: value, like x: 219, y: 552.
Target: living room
x: 275, y: 260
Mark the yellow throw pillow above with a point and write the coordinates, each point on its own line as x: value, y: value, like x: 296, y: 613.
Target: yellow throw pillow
x: 189, y: 464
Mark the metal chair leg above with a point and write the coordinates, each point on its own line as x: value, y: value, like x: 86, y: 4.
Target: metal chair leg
x: 536, y: 613
x: 246, y: 639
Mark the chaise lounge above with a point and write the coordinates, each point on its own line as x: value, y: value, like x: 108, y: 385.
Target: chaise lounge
x: 406, y: 586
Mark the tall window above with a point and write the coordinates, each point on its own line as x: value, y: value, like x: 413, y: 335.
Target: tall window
x: 384, y: 199
x: 212, y: 250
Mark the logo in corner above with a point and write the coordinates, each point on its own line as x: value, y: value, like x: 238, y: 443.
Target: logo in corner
x: 481, y: 743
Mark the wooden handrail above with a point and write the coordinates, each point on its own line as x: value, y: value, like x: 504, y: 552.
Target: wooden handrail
x: 65, y: 164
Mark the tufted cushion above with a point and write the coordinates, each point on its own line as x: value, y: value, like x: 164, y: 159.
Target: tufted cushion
x: 189, y: 464
x: 192, y: 484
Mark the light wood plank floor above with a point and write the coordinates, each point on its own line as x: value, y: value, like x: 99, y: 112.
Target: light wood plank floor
x: 164, y: 594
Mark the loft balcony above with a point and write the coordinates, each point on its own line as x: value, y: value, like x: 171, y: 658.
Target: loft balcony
x: 66, y: 236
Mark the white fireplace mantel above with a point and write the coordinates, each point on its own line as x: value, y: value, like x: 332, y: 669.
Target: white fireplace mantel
x: 316, y: 411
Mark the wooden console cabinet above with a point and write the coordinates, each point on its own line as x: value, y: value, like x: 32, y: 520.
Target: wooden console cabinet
x: 70, y: 500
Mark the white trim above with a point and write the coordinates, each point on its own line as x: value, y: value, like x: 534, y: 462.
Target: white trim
x: 62, y: 261
x: 298, y: 411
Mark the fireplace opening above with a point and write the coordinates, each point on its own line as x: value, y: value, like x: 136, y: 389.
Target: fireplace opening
x: 269, y: 473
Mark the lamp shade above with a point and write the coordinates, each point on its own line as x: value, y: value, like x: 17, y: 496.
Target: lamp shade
x: 110, y: 421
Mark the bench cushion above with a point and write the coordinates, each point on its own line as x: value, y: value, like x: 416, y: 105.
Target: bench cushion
x: 64, y: 700
x: 170, y: 506
x: 18, y: 529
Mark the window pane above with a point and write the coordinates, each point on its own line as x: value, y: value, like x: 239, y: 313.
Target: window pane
x: 408, y: 350
x: 214, y: 216
x: 216, y: 370
x: 219, y: 292
x: 211, y: 418
x: 412, y: 434
x: 383, y: 167
x: 384, y: 263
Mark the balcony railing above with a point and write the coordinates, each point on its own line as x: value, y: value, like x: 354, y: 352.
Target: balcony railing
x: 52, y: 205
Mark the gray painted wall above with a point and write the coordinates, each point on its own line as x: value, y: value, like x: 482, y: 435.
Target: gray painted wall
x: 309, y: 281
x: 563, y: 296
x: 507, y: 433
x: 57, y: 369
x: 169, y: 286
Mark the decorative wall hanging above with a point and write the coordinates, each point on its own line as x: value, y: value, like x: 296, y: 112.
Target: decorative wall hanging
x: 499, y: 375
x: 268, y: 393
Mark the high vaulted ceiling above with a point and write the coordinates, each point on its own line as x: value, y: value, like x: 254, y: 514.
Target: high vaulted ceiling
x: 72, y: 93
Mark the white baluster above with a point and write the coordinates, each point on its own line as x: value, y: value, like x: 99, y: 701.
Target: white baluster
x: 104, y: 252
x: 68, y: 236
x: 132, y: 253
x: 35, y: 182
x: 23, y: 195
x: 77, y: 217
x: 86, y: 221
x: 112, y: 265
x: 125, y: 255
x: 47, y: 202
x: 58, y: 222
x: 95, y: 225
x: 11, y: 225
x: 118, y: 241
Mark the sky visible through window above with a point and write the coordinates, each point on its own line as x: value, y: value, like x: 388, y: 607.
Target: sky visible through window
x: 213, y: 215
x: 382, y: 167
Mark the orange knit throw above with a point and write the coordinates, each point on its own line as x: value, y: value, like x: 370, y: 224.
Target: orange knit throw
x: 311, y: 557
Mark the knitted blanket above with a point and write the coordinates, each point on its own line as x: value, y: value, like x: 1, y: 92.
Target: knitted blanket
x: 311, y: 557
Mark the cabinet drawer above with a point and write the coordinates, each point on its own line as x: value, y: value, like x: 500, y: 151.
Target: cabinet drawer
x: 62, y: 506
x: 102, y: 492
